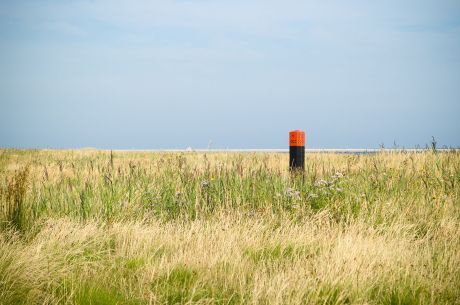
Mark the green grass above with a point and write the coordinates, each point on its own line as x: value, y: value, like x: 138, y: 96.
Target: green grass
x: 96, y: 294
x: 182, y: 285
x: 280, y: 252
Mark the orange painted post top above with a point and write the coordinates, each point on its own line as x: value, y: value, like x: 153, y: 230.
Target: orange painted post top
x: 296, y: 138
x: 296, y: 150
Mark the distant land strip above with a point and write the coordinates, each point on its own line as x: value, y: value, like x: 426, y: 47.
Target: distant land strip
x: 307, y: 150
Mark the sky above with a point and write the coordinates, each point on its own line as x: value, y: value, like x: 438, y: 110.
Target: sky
x: 161, y: 74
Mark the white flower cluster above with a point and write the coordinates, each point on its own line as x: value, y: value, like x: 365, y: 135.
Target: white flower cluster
x: 329, y: 184
x: 338, y: 175
x: 312, y: 195
x: 292, y: 193
x: 205, y: 184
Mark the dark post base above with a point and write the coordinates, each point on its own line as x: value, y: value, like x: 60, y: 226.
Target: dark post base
x: 296, y: 157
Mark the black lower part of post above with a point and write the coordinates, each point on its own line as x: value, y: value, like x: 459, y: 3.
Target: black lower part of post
x: 296, y: 157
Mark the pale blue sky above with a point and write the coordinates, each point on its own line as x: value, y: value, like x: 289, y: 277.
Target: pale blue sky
x: 173, y: 74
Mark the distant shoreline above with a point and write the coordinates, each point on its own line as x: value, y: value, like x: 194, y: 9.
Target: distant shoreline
x: 307, y: 150
x: 356, y: 151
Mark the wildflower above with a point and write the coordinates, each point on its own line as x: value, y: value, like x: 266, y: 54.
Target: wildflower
x: 338, y: 175
x: 178, y: 194
x: 324, y: 183
x: 312, y: 195
x: 338, y: 189
x: 321, y: 183
x: 205, y: 184
x: 292, y: 193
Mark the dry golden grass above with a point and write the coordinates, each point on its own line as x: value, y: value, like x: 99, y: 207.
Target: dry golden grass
x: 153, y: 228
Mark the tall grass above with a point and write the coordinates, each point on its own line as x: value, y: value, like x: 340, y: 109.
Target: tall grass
x: 97, y: 227
x: 14, y: 214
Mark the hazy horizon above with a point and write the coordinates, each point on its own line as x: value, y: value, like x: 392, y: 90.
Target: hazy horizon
x: 177, y: 74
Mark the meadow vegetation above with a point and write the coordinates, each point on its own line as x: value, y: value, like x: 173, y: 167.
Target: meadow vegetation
x: 96, y: 227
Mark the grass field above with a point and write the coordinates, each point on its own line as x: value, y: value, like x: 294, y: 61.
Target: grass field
x: 92, y: 227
